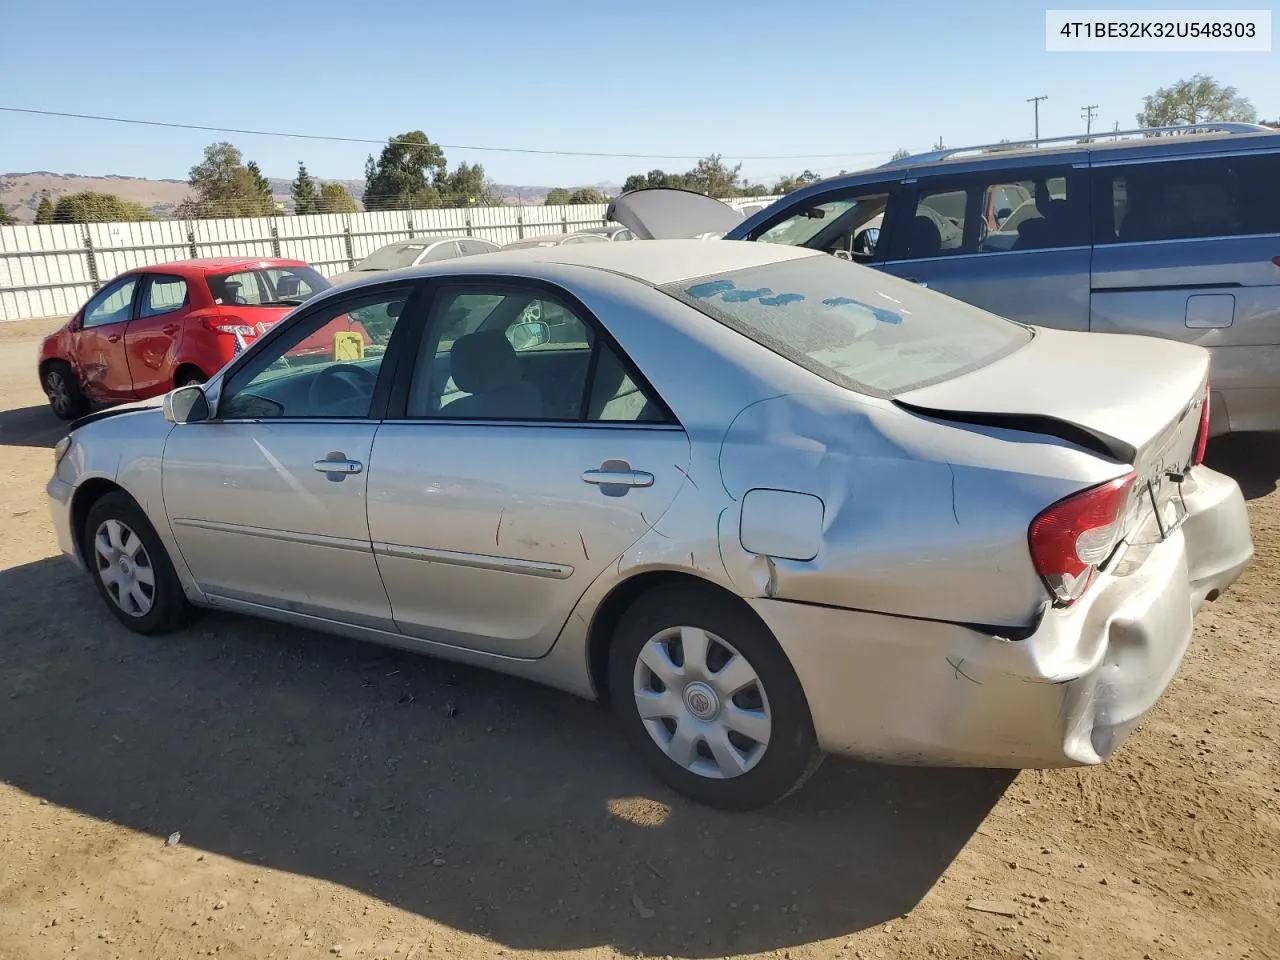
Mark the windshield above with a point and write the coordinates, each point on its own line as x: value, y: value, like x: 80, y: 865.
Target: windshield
x: 266, y: 286
x: 851, y: 325
x: 392, y: 257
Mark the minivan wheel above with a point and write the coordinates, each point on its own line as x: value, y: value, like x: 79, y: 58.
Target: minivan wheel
x: 710, y: 701
x: 131, y: 568
x: 63, y: 390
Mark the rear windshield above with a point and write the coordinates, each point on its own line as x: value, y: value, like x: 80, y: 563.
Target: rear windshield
x: 852, y: 325
x: 392, y: 257
x: 266, y: 286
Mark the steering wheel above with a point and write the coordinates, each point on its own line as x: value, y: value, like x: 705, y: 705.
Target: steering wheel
x: 340, y: 382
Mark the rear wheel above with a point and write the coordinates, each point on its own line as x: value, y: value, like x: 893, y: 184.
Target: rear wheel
x: 709, y: 699
x: 131, y: 568
x: 63, y: 390
x: 189, y: 377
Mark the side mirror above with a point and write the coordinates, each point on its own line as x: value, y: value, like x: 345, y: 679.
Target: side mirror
x: 865, y: 240
x: 530, y: 333
x: 186, y: 405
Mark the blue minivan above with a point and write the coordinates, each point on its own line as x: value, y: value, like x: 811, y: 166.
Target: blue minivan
x: 1171, y: 233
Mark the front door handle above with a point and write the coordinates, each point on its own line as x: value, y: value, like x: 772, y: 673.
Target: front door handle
x: 617, y: 473
x: 336, y: 466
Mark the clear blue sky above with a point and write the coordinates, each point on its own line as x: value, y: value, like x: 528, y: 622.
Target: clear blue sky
x: 661, y: 77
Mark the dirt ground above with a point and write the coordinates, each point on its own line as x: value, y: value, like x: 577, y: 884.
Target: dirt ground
x: 336, y: 799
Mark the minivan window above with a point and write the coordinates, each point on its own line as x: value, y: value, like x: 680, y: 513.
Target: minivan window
x: 1187, y: 199
x: 852, y: 325
x: 994, y: 213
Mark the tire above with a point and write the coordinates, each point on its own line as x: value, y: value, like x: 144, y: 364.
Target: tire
x: 190, y: 377
x: 743, y: 772
x: 119, y: 538
x: 63, y: 391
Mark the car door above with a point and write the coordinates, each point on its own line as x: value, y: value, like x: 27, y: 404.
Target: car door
x: 266, y: 499
x: 101, y: 357
x: 1012, y: 240
x: 1184, y: 249
x: 152, y: 336
x: 513, y: 469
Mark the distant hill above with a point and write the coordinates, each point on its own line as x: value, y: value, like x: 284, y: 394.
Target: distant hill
x: 20, y: 192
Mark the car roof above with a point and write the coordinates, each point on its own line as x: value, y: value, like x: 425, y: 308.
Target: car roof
x: 655, y: 262
x: 203, y: 265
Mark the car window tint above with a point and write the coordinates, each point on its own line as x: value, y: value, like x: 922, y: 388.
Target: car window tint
x: 112, y: 305
x: 520, y: 355
x: 163, y: 295
x: 326, y: 365
x: 471, y: 247
x: 1187, y: 199
x: 265, y: 286
x: 443, y: 251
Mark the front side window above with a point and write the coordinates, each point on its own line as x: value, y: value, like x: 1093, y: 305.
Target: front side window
x: 1187, y: 199
x: 163, y: 295
x: 510, y: 354
x: 266, y: 286
x: 855, y: 327
x: 849, y: 224
x: 112, y: 305
x: 326, y: 365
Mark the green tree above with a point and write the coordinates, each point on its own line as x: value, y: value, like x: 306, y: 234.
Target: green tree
x: 334, y: 198
x: 1198, y: 100
x: 656, y: 179
x: 900, y: 154
x: 467, y: 185
x: 7, y: 219
x: 44, y: 209
x: 406, y: 174
x: 789, y: 183
x: 305, y: 195
x: 556, y: 197
x: 713, y: 178
x: 226, y: 187
x: 587, y: 195
x: 90, y: 206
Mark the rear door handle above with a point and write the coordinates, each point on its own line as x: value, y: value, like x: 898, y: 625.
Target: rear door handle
x: 114, y: 338
x: 169, y: 329
x: 337, y: 464
x: 617, y: 473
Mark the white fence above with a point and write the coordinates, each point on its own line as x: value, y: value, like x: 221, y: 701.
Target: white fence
x: 50, y: 270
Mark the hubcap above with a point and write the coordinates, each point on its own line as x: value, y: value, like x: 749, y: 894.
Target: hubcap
x: 125, y: 568
x: 55, y: 387
x: 702, y: 702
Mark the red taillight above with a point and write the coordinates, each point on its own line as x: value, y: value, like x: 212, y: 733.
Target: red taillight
x: 229, y: 325
x: 1202, y: 437
x: 1075, y: 536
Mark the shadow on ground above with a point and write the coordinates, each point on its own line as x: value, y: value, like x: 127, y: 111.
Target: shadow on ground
x: 1253, y: 459
x: 31, y: 427
x: 490, y: 805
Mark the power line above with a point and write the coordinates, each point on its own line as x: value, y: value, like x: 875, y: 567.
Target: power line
x: 447, y: 146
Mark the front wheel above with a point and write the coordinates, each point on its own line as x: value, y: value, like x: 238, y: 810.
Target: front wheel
x: 709, y: 699
x: 131, y: 568
x: 66, y: 399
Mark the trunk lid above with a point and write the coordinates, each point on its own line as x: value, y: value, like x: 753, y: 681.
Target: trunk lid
x: 1136, y: 400
x: 662, y: 213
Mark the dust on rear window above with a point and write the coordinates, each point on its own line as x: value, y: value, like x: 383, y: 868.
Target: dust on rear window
x: 852, y: 325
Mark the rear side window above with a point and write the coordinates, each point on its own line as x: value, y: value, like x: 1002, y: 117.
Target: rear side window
x: 995, y: 213
x: 852, y: 325
x: 266, y: 286
x: 1187, y: 199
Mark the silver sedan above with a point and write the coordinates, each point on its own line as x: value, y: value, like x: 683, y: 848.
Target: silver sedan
x: 767, y: 503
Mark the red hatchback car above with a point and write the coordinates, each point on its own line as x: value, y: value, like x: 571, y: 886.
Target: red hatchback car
x: 155, y: 328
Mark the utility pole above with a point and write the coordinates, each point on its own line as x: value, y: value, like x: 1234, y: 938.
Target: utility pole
x: 1036, y: 101
x: 1089, y: 112
x: 939, y: 145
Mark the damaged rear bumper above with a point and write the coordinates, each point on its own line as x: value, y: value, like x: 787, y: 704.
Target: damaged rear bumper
x: 911, y: 691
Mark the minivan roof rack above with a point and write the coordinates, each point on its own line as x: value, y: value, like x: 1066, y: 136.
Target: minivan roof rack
x: 1215, y: 127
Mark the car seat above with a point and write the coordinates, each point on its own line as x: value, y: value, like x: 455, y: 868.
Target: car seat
x: 484, y: 364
